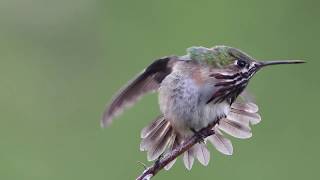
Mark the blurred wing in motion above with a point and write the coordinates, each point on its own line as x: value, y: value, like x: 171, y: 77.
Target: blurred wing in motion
x: 148, y: 80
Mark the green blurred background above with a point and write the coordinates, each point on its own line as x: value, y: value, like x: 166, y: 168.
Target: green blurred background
x: 62, y: 60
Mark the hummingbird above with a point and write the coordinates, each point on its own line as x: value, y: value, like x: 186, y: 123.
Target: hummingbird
x: 195, y: 90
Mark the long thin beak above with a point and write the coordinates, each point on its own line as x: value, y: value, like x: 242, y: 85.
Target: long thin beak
x: 268, y: 63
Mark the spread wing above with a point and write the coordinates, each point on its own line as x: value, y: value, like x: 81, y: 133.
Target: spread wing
x: 148, y: 80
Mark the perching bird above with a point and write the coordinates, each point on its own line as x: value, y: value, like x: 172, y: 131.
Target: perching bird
x: 194, y: 90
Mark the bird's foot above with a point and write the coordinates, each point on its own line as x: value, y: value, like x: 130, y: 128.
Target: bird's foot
x: 199, y: 135
x: 157, y: 162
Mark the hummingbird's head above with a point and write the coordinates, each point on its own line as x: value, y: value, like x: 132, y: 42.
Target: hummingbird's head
x: 233, y: 69
x: 235, y: 61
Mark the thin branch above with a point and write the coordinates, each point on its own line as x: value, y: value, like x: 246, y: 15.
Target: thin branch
x: 160, y: 164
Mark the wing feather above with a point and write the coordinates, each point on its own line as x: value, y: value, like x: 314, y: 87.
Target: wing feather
x: 148, y: 80
x: 235, y: 129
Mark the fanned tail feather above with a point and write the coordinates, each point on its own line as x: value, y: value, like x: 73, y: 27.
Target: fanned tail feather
x: 151, y: 127
x: 235, y: 129
x: 202, y: 153
x: 221, y: 143
x: 237, y: 124
x: 148, y: 141
x: 198, y: 151
x: 188, y: 158
x: 159, y: 137
x: 174, y: 142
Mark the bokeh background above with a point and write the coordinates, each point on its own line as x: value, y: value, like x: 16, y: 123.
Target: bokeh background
x: 62, y: 60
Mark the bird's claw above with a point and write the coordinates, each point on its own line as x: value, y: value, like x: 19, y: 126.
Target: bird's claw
x: 157, y: 162
x: 199, y: 135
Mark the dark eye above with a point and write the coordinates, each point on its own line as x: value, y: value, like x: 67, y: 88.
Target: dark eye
x: 241, y: 63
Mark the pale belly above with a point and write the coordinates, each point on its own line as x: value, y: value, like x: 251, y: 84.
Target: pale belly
x: 183, y: 103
